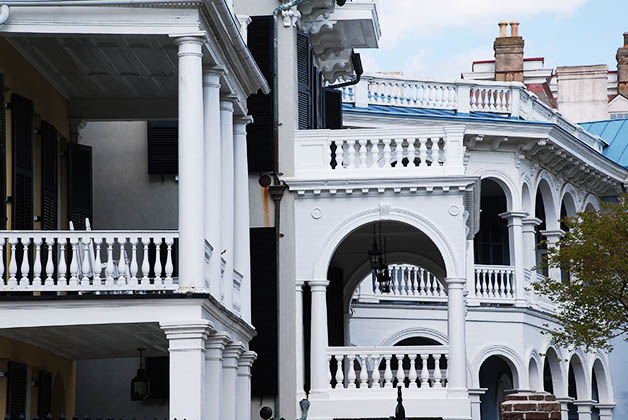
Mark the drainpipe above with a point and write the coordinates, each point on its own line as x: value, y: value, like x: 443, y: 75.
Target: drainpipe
x: 357, y: 68
x: 277, y: 189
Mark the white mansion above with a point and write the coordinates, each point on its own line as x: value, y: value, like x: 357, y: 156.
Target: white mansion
x: 201, y: 181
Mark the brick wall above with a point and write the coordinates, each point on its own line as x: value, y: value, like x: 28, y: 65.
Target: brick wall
x: 530, y: 406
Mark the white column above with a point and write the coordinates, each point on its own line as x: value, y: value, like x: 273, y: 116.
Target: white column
x: 529, y: 241
x: 227, y: 211
x: 564, y: 407
x: 213, y: 184
x: 242, y: 257
x: 471, y: 298
x: 515, y: 240
x: 606, y: 411
x: 230, y: 357
x: 319, y: 339
x: 191, y: 176
x: 214, y: 347
x: 584, y: 409
x: 186, y: 344
x: 552, y: 237
x: 244, y: 385
x: 475, y: 395
x: 300, y: 349
x: 457, y: 380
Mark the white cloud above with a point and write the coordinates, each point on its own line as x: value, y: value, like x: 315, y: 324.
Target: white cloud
x: 401, y: 19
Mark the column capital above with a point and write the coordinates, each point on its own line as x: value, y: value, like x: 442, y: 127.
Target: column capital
x: 564, y: 400
x: 531, y: 221
x: 227, y: 101
x: 190, y: 45
x: 233, y: 350
x: 455, y: 282
x: 242, y: 120
x: 212, y: 75
x: 214, y: 70
x: 609, y: 406
x: 247, y: 358
x: 585, y: 403
x: 513, y: 215
x: 318, y: 285
x: 554, y: 235
x: 217, y: 341
x: 175, y: 330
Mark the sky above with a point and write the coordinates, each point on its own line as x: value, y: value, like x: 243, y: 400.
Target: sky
x: 441, y: 38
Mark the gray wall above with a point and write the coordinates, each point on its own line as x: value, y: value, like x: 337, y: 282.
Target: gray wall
x: 103, y: 389
x: 125, y: 196
x: 619, y: 373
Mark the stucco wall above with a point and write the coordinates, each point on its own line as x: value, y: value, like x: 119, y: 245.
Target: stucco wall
x: 619, y: 372
x: 62, y: 369
x: 125, y: 195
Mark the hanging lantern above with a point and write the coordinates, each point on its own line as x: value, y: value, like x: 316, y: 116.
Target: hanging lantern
x: 377, y: 258
x: 140, y: 385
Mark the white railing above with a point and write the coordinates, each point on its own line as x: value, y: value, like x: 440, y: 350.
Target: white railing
x: 536, y: 300
x: 495, y: 282
x: 87, y: 261
x: 363, y: 368
x: 462, y: 96
x: 358, y: 153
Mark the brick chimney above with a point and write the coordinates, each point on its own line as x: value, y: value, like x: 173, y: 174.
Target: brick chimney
x: 622, y: 68
x: 509, y: 54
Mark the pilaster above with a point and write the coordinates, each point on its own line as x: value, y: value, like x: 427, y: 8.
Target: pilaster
x: 515, y: 234
x: 231, y: 356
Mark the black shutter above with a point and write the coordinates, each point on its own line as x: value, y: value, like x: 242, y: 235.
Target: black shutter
x: 22, y: 130
x: 333, y: 108
x: 16, y: 390
x: 163, y: 147
x: 3, y: 163
x: 259, y: 134
x: 49, y: 176
x: 79, y: 184
x: 305, y: 77
x: 264, y: 311
x: 44, y: 402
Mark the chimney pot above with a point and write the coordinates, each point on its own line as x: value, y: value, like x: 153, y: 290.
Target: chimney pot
x: 514, y: 29
x: 625, y: 39
x: 502, y: 29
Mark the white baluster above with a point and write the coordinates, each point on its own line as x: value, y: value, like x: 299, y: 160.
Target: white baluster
x: 363, y: 153
x: 157, y: 269
x: 1, y: 262
x: 74, y: 266
x: 351, y: 154
x: 330, y: 153
x: 62, y: 268
x: 85, y: 263
x: 446, y: 378
x: 388, y: 375
x: 508, y: 276
x: 485, y: 274
x: 145, y: 263
x: 97, y: 264
x: 499, y: 278
x: 122, y: 265
x: 437, y: 373
x: 37, y: 263
x: 387, y: 160
x: 401, y: 375
x: 411, y: 152
x: 423, y: 152
x: 133, y: 266
x: 375, y: 376
x: 25, y: 266
x: 329, y: 371
x: 364, y: 376
x: 425, y: 374
x: 340, y: 144
x: 169, y: 267
x: 340, y: 376
x: 351, y: 376
x: 13, y: 264
x: 397, y: 154
x: 492, y: 283
x: 478, y: 283
x: 415, y: 285
x: 109, y: 267
x: 412, y: 375
x: 422, y: 287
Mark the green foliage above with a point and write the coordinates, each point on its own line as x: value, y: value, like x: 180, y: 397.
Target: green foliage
x: 593, y: 304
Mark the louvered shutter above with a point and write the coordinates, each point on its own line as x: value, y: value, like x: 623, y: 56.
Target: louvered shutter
x: 333, y: 109
x: 163, y: 147
x: 305, y: 77
x: 22, y: 130
x: 49, y: 176
x: 79, y: 184
x: 16, y: 390
x: 259, y: 134
x: 44, y: 401
x: 3, y: 163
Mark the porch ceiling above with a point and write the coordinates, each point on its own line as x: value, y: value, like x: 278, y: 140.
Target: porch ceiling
x: 105, y: 77
x: 79, y: 342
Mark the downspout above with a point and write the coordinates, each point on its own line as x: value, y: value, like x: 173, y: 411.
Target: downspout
x: 357, y: 68
x: 277, y: 189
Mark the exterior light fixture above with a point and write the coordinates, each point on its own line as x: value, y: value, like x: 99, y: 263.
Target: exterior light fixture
x: 377, y: 258
x: 140, y: 385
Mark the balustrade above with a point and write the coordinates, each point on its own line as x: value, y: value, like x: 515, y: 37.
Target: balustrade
x: 88, y: 261
x: 423, y: 367
x: 410, y: 280
x: 494, y: 282
x: 491, y: 99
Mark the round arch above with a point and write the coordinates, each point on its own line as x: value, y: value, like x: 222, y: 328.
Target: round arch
x: 353, y: 222
x: 590, y: 203
x: 583, y: 387
x: 569, y: 197
x: 535, y: 373
x: 507, y: 185
x: 508, y: 355
x: 600, y: 371
x: 526, y: 198
x: 415, y: 332
x: 544, y: 187
x: 559, y: 382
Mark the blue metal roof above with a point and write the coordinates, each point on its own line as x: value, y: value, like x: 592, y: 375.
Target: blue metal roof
x: 615, y: 132
x: 425, y: 112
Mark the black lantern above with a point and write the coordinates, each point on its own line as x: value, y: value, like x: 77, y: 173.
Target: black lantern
x: 140, y: 385
x: 377, y: 258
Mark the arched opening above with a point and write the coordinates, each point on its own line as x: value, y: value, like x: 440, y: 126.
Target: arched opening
x: 576, y: 384
x: 567, y: 209
x: 418, y: 341
x: 526, y: 199
x: 548, y: 383
x: 497, y: 376
x: 491, y: 245
x: 552, y: 375
x: 541, y: 246
x: 533, y: 375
